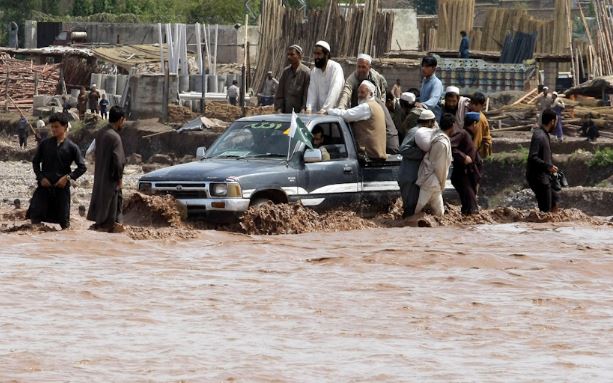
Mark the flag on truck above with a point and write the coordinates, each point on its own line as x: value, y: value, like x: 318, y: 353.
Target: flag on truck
x: 299, y: 134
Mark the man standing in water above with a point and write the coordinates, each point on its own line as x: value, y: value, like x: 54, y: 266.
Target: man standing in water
x: 412, y: 156
x: 106, y: 204
x: 51, y: 199
x: 540, y: 165
x: 435, y: 167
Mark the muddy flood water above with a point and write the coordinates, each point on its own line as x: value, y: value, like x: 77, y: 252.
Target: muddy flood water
x: 492, y: 303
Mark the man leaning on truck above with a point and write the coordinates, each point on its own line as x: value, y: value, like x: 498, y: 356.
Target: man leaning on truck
x: 368, y: 121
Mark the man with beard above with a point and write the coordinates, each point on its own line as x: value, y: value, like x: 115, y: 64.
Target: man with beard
x: 363, y: 71
x: 431, y: 87
x: 106, y: 203
x: 294, y: 84
x: 540, y: 165
x: 412, y: 156
x: 51, y: 199
x: 456, y: 105
x: 368, y: 121
x: 326, y: 81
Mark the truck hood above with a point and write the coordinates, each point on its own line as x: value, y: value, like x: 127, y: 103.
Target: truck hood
x: 215, y: 170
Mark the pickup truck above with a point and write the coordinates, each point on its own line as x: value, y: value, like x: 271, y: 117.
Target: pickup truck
x: 248, y: 165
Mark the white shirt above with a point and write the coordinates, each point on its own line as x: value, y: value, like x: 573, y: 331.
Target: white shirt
x: 40, y: 124
x: 357, y: 113
x: 325, y: 87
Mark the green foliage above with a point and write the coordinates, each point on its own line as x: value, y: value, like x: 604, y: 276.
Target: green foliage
x: 516, y: 157
x: 82, y: 8
x: 222, y: 12
x: 602, y: 158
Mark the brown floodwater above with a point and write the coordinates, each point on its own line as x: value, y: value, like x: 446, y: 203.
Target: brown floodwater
x: 493, y: 303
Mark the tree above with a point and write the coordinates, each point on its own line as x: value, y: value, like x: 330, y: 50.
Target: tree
x: 82, y: 8
x: 102, y: 6
x: 221, y: 11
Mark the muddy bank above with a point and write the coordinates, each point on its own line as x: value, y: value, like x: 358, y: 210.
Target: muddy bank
x: 507, y: 171
x: 150, y: 137
x: 511, y: 141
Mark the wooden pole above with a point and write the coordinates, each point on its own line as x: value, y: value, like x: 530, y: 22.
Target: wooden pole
x: 6, y: 90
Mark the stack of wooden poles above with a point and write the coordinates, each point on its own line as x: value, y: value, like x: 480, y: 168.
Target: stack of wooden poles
x: 454, y: 16
x: 598, y: 52
x: 349, y: 31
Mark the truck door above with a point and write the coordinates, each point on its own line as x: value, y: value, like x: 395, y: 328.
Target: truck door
x: 334, y: 182
x: 380, y: 183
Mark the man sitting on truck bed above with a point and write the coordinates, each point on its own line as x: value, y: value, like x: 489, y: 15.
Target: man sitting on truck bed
x: 368, y: 122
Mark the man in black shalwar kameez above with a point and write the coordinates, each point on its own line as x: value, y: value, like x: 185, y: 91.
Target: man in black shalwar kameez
x: 51, y: 199
x: 106, y: 204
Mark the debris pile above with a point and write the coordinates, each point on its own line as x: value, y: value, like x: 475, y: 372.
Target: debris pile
x: 179, y: 113
x: 229, y: 113
x: 296, y: 219
x: 521, y: 115
x: 153, y: 211
x: 25, y: 80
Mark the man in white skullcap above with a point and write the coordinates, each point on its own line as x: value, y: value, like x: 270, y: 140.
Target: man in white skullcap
x: 363, y: 71
x: 368, y: 122
x: 412, y: 156
x: 294, y: 83
x: 456, y: 105
x: 326, y: 82
x: 411, y: 113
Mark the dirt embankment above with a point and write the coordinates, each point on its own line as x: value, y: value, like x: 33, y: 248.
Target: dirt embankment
x: 156, y: 217
x: 155, y: 213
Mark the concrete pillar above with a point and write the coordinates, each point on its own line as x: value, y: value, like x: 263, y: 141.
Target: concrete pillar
x: 110, y: 84
x: 30, y: 40
x: 122, y: 81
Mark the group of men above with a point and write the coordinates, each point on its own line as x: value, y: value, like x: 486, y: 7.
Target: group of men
x: 52, y: 164
x: 386, y: 123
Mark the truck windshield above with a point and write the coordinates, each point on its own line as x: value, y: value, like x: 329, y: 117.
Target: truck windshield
x: 252, y: 139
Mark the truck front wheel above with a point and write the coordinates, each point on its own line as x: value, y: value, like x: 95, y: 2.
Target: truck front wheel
x: 260, y: 201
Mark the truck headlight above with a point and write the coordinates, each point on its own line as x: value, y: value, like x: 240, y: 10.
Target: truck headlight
x: 144, y: 187
x: 229, y: 189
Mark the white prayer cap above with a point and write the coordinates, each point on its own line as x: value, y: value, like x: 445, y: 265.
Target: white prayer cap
x: 427, y: 115
x: 545, y: 88
x: 371, y: 87
x: 555, y: 93
x: 408, y: 97
x: 452, y: 89
x: 93, y: 85
x: 323, y: 44
x: 365, y: 57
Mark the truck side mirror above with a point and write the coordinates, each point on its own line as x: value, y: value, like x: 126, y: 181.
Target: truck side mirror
x: 312, y: 155
x: 200, y: 152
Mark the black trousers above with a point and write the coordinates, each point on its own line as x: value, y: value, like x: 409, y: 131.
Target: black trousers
x: 115, y: 214
x: 410, y: 194
x: 467, y: 190
x: 50, y: 205
x: 23, y: 141
x: 546, y: 197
